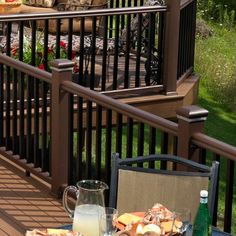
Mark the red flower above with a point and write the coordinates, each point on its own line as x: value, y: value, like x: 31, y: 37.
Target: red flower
x: 14, y: 51
x: 62, y: 44
x: 41, y: 66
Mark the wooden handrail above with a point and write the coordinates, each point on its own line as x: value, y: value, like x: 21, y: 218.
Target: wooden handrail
x: 214, y: 145
x: 25, y: 68
x: 132, y: 112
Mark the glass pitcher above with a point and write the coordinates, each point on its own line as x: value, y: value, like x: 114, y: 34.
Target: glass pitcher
x: 89, y: 206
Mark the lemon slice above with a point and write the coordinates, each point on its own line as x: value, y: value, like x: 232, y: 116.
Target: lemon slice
x: 151, y: 228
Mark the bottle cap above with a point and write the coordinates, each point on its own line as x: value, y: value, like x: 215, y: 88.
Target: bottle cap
x: 204, y: 193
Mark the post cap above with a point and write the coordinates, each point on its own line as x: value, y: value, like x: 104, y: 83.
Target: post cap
x: 61, y: 63
x: 192, y: 112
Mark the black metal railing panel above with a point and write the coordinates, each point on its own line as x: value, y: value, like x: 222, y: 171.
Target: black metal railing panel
x: 186, y: 39
x: 24, y: 112
x: 111, y: 49
x: 100, y: 129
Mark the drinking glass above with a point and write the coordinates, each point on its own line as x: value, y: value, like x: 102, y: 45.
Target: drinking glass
x: 181, y: 222
x: 108, y: 222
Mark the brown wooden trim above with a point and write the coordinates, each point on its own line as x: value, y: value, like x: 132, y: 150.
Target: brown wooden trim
x: 185, y: 76
x: 28, y: 167
x: 134, y: 92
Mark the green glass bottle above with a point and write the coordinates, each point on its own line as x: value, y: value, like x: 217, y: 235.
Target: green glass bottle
x: 202, y: 221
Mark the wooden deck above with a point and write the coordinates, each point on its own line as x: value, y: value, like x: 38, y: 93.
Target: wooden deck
x: 26, y: 203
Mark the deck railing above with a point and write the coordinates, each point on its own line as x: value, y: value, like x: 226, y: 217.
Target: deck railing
x: 115, y: 48
x: 87, y: 127
x: 116, y: 54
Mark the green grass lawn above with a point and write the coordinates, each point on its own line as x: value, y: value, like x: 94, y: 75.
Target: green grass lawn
x: 215, y: 63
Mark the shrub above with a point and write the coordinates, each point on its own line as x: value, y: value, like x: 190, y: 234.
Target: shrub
x: 221, y: 11
x: 215, y: 63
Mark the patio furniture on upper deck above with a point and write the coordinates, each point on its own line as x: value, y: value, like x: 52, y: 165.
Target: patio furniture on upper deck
x: 136, y: 185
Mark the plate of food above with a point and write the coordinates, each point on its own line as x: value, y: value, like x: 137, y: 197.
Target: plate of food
x: 52, y: 232
x: 157, y: 221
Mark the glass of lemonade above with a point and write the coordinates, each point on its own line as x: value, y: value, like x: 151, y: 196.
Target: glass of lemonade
x: 108, y: 221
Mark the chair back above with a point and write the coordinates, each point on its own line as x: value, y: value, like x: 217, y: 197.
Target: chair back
x: 137, y: 188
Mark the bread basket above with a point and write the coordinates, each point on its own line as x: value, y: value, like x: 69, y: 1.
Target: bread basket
x: 10, y: 7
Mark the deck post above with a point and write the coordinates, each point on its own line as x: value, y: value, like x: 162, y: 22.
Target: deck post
x: 171, y: 46
x: 190, y: 120
x: 61, y: 71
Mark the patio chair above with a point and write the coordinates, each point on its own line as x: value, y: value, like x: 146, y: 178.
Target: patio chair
x: 135, y: 186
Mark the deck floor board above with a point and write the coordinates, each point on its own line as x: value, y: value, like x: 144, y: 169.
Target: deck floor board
x: 26, y: 204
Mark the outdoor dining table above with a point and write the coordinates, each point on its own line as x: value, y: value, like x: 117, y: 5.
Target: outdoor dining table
x: 215, y: 231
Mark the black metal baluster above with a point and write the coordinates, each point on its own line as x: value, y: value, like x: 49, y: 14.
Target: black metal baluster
x: 116, y: 53
x: 1, y: 103
x: 202, y: 156
x: 152, y: 140
x: 81, y: 52
x: 80, y: 138
x: 193, y: 31
x: 152, y: 144
x: 160, y: 45
x: 189, y: 21
x: 58, y: 38
x: 14, y: 113
x: 150, y: 42
x: 186, y: 38
x: 229, y: 196
x: 138, y: 51
x: 140, y: 140
x: 45, y: 46
x: 122, y: 25
x: 72, y: 161
x: 111, y: 20
x: 36, y: 123
x: 104, y: 54
x: 98, y: 141
x: 214, y: 218
x: 164, y: 148
x: 8, y: 90
x: 22, y: 91
x: 89, y: 140
x: 92, y: 54
x: 119, y: 128
x: 108, y: 145
x: 127, y: 52
x: 29, y: 143
x: 44, y: 134
x: 70, y: 39
x: 129, y: 144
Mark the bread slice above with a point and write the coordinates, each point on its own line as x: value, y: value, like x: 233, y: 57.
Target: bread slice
x: 128, y: 218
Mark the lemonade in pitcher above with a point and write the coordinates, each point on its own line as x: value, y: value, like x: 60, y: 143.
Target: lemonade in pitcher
x: 86, y: 219
x: 89, y: 206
